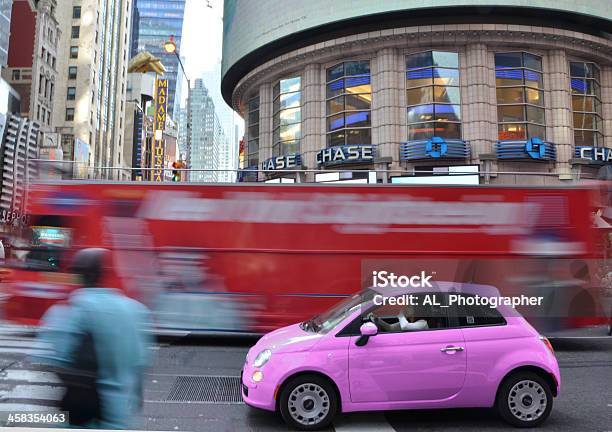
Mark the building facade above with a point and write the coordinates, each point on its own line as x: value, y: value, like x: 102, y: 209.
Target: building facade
x: 390, y: 92
x: 228, y: 151
x: 32, y: 62
x: 89, y: 109
x: 157, y: 21
x: 206, y: 136
x: 5, y: 26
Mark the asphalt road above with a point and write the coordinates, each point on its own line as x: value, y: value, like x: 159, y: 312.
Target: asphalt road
x: 175, y: 396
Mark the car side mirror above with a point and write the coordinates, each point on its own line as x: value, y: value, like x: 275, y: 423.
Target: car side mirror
x: 367, y: 330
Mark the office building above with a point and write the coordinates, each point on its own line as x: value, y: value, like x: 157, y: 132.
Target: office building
x: 92, y: 60
x: 157, y: 21
x: 228, y: 156
x: 32, y: 60
x: 206, y: 135
x: 512, y: 92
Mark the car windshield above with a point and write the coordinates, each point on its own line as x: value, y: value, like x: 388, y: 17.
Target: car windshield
x: 329, y: 319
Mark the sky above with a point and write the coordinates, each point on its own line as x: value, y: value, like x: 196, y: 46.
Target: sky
x: 202, y: 40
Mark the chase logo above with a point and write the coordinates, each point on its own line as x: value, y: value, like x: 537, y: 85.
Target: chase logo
x: 436, y: 147
x: 535, y: 148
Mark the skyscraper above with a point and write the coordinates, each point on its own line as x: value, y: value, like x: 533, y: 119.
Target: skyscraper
x: 206, y: 135
x: 157, y: 21
x: 5, y: 25
x: 89, y: 109
x: 228, y: 151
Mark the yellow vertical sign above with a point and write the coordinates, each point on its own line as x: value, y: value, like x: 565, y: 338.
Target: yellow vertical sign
x: 157, y: 153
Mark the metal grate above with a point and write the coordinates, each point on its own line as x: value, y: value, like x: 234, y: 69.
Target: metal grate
x: 211, y: 389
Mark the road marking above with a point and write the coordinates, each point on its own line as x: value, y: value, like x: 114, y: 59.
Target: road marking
x: 39, y: 392
x: 17, y: 407
x: 30, y: 376
x: 363, y: 423
x: 26, y: 351
x: 31, y: 343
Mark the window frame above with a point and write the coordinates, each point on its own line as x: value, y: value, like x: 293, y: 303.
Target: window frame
x: 248, y: 152
x: 596, y: 114
x: 278, y: 144
x: 454, y: 316
x: 525, y: 86
x: 344, y: 129
x: 432, y: 86
x: 352, y: 328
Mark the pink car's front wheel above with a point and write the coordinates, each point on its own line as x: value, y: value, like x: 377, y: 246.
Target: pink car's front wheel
x: 308, y: 402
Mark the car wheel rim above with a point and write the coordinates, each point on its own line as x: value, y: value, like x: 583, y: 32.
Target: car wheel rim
x: 527, y: 400
x: 308, y: 404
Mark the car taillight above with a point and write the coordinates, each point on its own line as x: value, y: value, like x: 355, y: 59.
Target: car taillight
x: 546, y: 342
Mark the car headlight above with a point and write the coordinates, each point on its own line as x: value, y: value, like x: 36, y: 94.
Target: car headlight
x: 262, y: 358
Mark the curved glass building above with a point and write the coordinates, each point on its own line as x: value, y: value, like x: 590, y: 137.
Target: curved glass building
x: 507, y: 91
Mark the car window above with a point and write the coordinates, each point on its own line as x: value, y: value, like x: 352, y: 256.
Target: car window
x: 427, y: 313
x: 476, y: 315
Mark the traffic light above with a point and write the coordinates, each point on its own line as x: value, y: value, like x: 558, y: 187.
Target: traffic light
x: 175, y: 174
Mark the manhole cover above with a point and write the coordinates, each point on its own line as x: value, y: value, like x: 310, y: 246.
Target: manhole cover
x: 212, y: 389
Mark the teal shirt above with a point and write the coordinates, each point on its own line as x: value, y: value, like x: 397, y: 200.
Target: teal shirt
x: 120, y: 329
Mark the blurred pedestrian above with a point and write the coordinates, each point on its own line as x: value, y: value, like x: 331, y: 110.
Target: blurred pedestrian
x: 100, y: 348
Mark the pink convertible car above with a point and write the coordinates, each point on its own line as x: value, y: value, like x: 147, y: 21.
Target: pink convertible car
x: 374, y: 352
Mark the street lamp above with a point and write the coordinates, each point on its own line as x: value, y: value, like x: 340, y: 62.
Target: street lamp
x: 170, y: 48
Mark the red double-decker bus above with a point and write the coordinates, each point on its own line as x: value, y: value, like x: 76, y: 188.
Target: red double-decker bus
x: 251, y: 258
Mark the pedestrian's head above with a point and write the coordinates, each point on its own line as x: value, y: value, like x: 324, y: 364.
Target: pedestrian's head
x: 91, y: 264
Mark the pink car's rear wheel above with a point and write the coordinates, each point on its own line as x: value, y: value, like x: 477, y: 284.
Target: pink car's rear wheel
x: 308, y: 402
x: 524, y: 399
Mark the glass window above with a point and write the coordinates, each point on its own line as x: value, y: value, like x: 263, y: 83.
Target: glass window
x: 520, y: 98
x: 76, y: 12
x: 420, y: 95
x: 508, y: 60
x: 287, y: 116
x: 511, y: 113
x: 76, y: 31
x: 428, y: 314
x: 74, y: 52
x: 72, y: 72
x: 586, y: 103
x: 335, y: 105
x: 71, y: 93
x: 69, y: 114
x: 427, y: 83
x: 512, y: 131
x: 476, y: 315
x: 349, y: 101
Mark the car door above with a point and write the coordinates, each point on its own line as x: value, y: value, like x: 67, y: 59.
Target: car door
x: 396, y: 366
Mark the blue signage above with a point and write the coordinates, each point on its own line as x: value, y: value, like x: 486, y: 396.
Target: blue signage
x: 282, y: 162
x: 533, y: 149
x: 598, y: 155
x: 435, y: 148
x: 346, y: 154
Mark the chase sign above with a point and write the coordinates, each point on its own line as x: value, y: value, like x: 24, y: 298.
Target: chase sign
x: 346, y: 154
x: 595, y: 154
x: 282, y: 162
